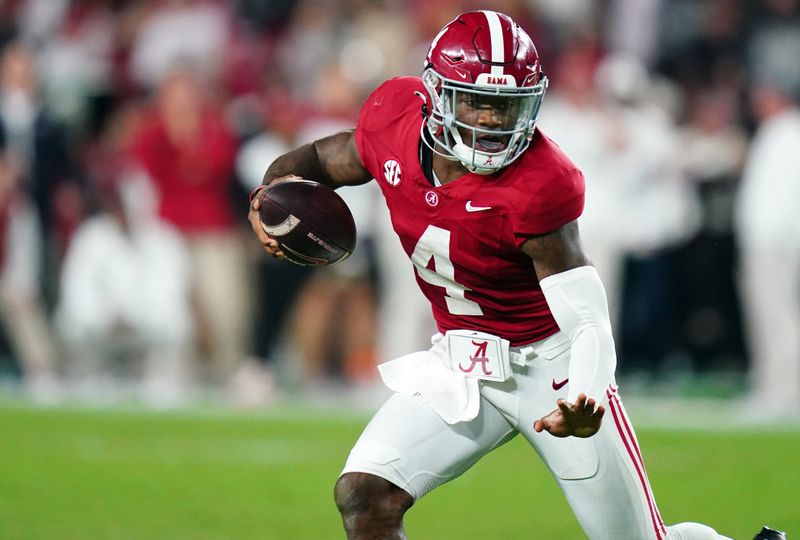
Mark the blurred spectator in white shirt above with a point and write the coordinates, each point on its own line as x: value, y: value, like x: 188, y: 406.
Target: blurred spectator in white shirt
x: 635, y: 201
x: 637, y: 205
x: 769, y: 236
x: 125, y: 297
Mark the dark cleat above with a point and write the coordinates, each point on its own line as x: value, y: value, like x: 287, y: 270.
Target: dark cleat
x: 769, y: 534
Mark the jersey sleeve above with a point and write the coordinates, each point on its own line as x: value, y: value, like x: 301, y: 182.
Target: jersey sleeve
x: 386, y: 108
x: 364, y: 126
x: 557, y: 202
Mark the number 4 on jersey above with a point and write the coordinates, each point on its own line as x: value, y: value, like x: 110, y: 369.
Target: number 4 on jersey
x: 435, y: 243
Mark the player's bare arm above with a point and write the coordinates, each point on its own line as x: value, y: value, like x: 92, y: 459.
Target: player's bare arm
x: 333, y: 161
x: 555, y: 253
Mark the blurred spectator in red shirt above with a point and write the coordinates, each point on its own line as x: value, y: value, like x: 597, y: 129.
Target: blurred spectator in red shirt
x: 188, y: 151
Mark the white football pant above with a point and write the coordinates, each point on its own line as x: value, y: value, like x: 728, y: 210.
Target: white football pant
x: 603, y: 477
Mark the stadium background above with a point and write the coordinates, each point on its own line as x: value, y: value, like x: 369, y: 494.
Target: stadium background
x: 160, y: 378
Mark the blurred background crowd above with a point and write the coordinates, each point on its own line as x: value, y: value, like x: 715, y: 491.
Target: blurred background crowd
x: 133, y: 130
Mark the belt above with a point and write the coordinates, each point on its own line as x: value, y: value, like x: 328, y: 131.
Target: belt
x: 521, y: 355
x: 539, y: 352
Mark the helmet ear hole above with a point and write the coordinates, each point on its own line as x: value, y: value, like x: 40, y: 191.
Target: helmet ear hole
x: 430, y: 78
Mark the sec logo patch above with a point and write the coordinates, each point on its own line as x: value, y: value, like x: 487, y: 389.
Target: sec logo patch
x: 392, y: 172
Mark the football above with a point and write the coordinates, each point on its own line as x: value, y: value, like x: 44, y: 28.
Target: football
x: 310, y: 221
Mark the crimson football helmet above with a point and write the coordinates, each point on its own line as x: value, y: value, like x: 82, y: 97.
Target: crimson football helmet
x: 486, y: 86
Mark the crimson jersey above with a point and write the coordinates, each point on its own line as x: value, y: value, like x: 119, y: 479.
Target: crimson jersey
x: 464, y: 237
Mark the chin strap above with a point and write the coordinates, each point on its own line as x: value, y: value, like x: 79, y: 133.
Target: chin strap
x: 461, y: 150
x: 478, y: 170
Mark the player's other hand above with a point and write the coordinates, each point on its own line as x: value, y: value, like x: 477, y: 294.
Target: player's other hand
x: 580, y: 419
x: 270, y: 244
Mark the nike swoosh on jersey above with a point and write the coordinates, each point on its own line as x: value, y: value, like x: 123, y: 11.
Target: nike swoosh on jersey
x: 471, y: 208
x: 559, y: 385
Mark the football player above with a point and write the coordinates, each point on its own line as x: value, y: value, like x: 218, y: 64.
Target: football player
x: 486, y: 207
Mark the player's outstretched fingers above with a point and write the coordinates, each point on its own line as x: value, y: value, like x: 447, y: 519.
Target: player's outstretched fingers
x: 580, y: 402
x: 589, y: 407
x: 599, y: 412
x: 564, y: 406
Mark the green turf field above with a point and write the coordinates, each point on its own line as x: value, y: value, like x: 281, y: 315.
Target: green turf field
x: 84, y: 474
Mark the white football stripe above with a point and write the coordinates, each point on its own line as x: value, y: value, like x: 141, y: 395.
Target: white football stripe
x: 283, y: 228
x: 496, y: 35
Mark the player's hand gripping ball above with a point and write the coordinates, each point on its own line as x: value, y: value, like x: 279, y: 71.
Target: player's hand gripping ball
x: 311, y: 222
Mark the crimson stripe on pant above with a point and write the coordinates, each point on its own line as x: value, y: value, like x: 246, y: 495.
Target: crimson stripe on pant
x: 626, y: 434
x: 627, y: 423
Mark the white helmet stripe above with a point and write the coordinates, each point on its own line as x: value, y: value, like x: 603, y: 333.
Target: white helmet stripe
x: 496, y: 35
x: 433, y: 44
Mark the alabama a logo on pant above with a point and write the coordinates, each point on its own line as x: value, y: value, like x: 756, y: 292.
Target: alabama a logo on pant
x: 478, y: 358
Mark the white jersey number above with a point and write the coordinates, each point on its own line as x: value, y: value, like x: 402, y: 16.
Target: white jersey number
x: 435, y: 243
